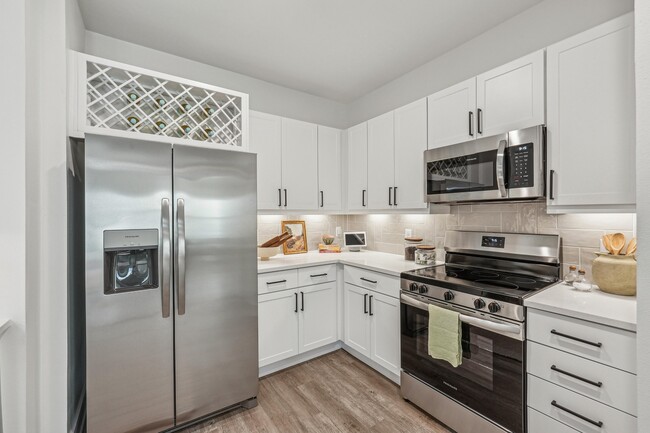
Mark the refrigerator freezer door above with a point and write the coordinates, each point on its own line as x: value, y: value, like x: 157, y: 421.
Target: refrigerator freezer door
x: 216, y: 331
x: 130, y: 382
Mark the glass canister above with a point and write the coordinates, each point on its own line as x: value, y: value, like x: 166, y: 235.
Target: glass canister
x: 425, y: 255
x: 410, y: 245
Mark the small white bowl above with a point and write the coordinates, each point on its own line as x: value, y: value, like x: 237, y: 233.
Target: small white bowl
x: 265, y: 253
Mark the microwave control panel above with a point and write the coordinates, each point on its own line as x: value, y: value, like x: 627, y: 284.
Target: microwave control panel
x: 520, y: 166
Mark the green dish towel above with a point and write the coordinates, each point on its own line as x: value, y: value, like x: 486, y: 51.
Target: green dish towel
x: 445, y: 335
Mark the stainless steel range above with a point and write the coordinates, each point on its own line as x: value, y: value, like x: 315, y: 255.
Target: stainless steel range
x: 485, y: 278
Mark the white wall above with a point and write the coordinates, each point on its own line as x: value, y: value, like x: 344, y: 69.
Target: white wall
x: 46, y: 216
x: 12, y: 219
x: 264, y: 96
x: 642, y: 41
x: 548, y: 22
x: 75, y: 29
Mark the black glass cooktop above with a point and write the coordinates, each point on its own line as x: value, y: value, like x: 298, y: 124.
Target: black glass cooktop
x: 468, y: 279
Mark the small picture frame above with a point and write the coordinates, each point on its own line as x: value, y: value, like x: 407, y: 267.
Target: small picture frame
x: 297, y: 244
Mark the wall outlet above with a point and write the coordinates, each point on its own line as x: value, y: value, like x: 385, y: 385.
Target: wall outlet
x: 408, y: 233
x: 339, y: 232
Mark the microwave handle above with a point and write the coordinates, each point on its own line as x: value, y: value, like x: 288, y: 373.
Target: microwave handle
x: 500, y: 168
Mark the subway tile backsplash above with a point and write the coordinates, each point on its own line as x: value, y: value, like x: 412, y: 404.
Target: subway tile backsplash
x: 580, y: 233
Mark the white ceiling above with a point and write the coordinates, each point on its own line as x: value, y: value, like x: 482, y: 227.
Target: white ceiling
x: 338, y: 49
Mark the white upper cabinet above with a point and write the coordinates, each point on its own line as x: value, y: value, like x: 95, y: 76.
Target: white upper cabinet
x: 591, y: 120
x: 410, y: 144
x: 511, y: 96
x: 266, y: 141
x: 357, y: 144
x: 381, y: 161
x: 452, y: 114
x: 329, y: 168
x: 299, y: 165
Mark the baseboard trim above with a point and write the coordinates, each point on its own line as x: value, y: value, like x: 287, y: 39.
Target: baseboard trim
x: 372, y: 364
x: 298, y: 359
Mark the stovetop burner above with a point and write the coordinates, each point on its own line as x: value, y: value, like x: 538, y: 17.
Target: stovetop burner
x: 489, y: 283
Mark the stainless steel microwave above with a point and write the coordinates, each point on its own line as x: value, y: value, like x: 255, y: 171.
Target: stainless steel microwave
x: 509, y: 166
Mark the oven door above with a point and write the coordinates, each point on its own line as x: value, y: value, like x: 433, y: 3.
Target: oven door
x: 490, y: 380
x: 469, y: 171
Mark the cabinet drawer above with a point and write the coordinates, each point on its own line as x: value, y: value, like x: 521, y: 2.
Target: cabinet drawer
x: 540, y: 423
x: 542, y: 394
x: 376, y: 281
x: 275, y: 281
x: 599, y: 343
x: 316, y: 275
x: 617, y: 388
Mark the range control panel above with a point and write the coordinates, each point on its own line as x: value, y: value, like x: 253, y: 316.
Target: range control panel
x: 520, y: 166
x: 493, y: 241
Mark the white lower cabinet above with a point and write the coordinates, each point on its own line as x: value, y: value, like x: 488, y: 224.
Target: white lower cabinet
x: 297, y: 320
x: 384, y: 331
x: 581, y: 376
x: 372, y: 319
x: 278, y: 326
x: 317, y: 316
x: 357, y: 321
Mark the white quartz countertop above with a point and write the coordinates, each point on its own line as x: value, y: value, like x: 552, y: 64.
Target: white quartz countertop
x: 391, y: 264
x: 594, y: 306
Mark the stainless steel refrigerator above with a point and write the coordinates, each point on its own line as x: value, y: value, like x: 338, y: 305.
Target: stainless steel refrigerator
x: 170, y: 282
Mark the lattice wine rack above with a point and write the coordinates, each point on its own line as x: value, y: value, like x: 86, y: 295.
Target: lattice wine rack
x: 119, y: 98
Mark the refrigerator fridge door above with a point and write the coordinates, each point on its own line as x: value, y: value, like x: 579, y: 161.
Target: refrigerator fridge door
x: 128, y: 194
x: 215, y: 226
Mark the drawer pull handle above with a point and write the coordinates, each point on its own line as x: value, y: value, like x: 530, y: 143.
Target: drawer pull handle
x: 296, y: 309
x: 577, y: 415
x: 365, y: 303
x: 268, y: 283
x: 318, y: 275
x: 368, y: 281
x: 575, y: 376
x: 591, y: 343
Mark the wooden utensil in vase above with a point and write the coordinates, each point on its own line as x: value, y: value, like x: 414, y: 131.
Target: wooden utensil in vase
x: 607, y: 243
x: 618, y: 243
x: 631, y: 248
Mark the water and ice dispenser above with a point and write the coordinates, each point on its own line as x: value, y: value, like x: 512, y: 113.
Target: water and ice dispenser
x: 130, y: 260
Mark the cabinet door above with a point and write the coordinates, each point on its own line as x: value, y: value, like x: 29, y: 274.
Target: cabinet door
x: 357, y: 323
x: 385, y: 333
x: 358, y: 167
x: 511, y: 96
x: 266, y: 141
x: 591, y: 117
x: 381, y: 161
x: 278, y: 326
x: 317, y: 316
x: 329, y: 168
x: 299, y: 165
x: 452, y: 114
x: 410, y: 144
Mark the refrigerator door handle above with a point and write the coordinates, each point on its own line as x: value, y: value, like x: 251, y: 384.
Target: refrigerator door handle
x: 165, y: 268
x: 180, y: 255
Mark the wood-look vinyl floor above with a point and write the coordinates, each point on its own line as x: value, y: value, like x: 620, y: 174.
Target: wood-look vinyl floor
x: 335, y: 393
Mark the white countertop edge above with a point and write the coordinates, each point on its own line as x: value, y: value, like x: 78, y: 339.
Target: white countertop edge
x: 621, y: 310
x: 4, y: 326
x: 386, y: 263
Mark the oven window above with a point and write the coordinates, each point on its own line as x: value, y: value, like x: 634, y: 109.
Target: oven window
x: 475, y: 172
x: 490, y: 380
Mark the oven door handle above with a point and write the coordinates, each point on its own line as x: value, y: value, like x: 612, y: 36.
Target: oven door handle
x: 500, y: 168
x: 490, y: 325
x: 502, y: 328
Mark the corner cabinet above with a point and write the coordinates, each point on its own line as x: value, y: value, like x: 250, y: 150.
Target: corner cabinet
x: 591, y: 120
x: 396, y: 144
x: 112, y: 98
x: 357, y: 163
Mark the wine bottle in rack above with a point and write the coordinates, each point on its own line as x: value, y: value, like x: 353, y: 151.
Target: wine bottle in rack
x: 209, y: 110
x: 133, y: 121
x: 160, y: 125
x: 185, y: 107
x: 160, y: 101
x: 210, y: 133
x: 132, y: 96
x: 186, y: 129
